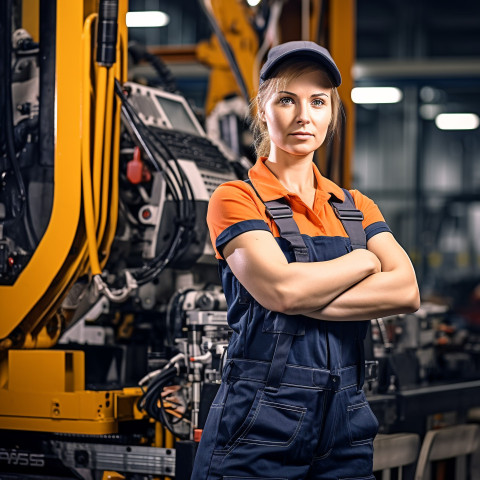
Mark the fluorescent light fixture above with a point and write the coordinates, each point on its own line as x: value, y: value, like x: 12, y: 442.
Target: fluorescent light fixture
x: 147, y: 19
x: 457, y: 121
x: 253, y: 3
x: 376, y: 95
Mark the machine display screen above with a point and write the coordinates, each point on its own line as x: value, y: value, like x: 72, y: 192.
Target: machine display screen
x: 177, y: 115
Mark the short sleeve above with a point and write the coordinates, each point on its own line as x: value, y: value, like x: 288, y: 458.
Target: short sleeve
x: 233, y: 210
x: 373, y: 221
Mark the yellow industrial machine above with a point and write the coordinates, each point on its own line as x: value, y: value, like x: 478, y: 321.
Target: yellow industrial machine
x: 60, y: 169
x: 45, y: 389
x: 111, y: 317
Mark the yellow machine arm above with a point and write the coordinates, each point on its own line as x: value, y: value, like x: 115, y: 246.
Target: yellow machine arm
x: 232, y: 19
x: 83, y: 220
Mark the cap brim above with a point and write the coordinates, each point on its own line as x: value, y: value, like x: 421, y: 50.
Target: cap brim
x: 329, y: 66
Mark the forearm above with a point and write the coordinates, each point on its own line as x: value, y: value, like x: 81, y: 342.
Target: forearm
x: 381, y: 294
x: 311, y: 286
x: 261, y: 267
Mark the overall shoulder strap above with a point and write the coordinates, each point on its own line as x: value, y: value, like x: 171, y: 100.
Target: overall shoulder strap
x: 351, y: 219
x: 281, y: 213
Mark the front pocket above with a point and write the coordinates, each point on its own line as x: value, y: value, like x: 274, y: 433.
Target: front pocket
x: 214, y: 416
x: 268, y: 423
x: 274, y: 424
x: 362, y: 424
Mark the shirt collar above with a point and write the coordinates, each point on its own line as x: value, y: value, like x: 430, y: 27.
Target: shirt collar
x: 269, y: 187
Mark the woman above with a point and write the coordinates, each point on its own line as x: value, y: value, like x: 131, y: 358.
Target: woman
x: 291, y: 404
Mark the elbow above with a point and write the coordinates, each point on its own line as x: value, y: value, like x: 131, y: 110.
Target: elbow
x: 412, y: 300
x: 280, y: 299
x: 416, y: 302
x: 291, y: 303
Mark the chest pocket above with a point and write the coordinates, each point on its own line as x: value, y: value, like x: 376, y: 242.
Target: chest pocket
x: 276, y: 322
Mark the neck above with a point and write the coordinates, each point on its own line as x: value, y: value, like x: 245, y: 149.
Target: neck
x: 294, y: 173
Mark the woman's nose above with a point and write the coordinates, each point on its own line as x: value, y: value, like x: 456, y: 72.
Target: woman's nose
x: 303, y: 121
x: 302, y: 116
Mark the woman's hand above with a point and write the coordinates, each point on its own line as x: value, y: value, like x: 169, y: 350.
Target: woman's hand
x: 367, y: 256
x: 390, y: 291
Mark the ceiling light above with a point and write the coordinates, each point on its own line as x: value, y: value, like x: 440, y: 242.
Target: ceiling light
x: 376, y: 95
x: 428, y: 111
x: 147, y: 19
x: 253, y: 3
x: 457, y: 121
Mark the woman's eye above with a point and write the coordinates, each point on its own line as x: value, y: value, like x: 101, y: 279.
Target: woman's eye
x: 286, y: 100
x: 318, y: 102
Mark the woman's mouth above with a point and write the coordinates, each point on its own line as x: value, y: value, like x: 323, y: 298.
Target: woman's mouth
x: 302, y: 134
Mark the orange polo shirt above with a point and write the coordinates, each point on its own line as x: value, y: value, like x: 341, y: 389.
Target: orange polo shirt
x: 235, y: 208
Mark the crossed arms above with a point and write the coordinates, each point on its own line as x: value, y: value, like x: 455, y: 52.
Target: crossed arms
x: 360, y: 285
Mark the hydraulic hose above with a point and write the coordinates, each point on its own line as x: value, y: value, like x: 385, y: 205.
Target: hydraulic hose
x: 113, y: 214
x: 107, y: 148
x: 107, y: 28
x: 96, y: 193
x: 88, y: 205
x: 99, y: 127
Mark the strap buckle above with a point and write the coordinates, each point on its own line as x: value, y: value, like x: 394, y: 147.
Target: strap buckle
x: 371, y: 370
x: 348, y: 214
x: 281, y: 211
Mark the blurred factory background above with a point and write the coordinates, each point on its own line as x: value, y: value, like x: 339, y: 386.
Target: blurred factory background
x: 423, y: 177
x: 113, y: 323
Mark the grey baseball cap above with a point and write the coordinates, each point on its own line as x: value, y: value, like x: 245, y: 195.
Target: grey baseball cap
x: 300, y: 49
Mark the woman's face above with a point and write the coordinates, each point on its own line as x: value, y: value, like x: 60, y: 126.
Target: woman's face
x: 297, y: 117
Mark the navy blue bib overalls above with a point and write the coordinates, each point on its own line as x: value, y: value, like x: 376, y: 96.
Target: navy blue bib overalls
x: 291, y: 404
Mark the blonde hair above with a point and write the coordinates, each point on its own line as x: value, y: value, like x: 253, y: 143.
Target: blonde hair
x: 289, y: 70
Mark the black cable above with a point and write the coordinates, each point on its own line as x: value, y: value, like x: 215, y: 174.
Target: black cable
x: 129, y: 114
x: 149, y: 272
x: 169, y: 425
x: 134, y: 120
x: 153, y: 395
x: 157, y: 380
x: 186, y: 192
x: 154, y: 268
x: 139, y: 53
x: 176, y: 180
x: 9, y: 132
x: 183, y: 182
x: 135, y: 123
x: 142, y: 132
x: 153, y: 272
x: 21, y: 132
x: 173, y: 312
